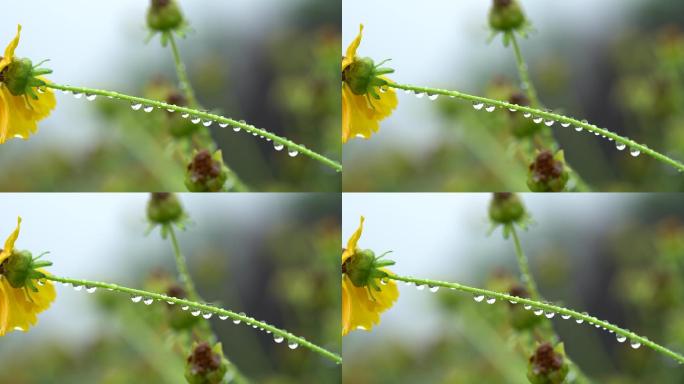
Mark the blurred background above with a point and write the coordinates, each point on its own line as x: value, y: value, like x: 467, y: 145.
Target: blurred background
x: 619, y: 257
x: 272, y: 63
x: 265, y: 254
x: 618, y: 64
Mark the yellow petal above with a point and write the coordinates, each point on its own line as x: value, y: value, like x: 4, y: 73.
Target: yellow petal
x: 9, y: 243
x: 24, y: 306
x: 4, y: 308
x: 363, y: 310
x: 351, y: 50
x: 351, y: 244
x: 21, y: 117
x: 363, y: 113
x: 9, y: 51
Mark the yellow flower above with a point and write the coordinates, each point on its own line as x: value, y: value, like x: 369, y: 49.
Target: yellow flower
x: 19, y: 114
x: 365, y: 99
x: 364, y: 301
x: 19, y: 306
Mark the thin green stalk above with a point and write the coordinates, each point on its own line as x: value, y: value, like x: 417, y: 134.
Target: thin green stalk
x: 203, y: 308
x: 549, y: 116
x: 527, y: 85
x: 523, y: 264
x: 286, y: 143
x: 182, y: 73
x: 182, y: 266
x: 547, y: 308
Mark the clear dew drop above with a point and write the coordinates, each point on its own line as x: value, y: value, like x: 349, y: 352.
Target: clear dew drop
x: 66, y: 91
x: 278, y: 339
x: 490, y: 108
x: 236, y: 128
x: 549, y: 315
x: 478, y: 298
x: 420, y: 95
x: 527, y: 307
x: 223, y: 125
x: 565, y: 317
x: 148, y: 301
x: 169, y: 110
x: 383, y: 89
x: 537, y: 119
x: 170, y: 302
x: 579, y: 321
x: 620, y: 146
x: 635, y: 344
x: 620, y: 338
x: 91, y: 97
x: 408, y: 91
x: 512, y: 109
x: 185, y: 307
x: 278, y: 146
x: 578, y: 129
x: 549, y: 123
x: 207, y: 315
x: 420, y: 287
x: 78, y: 288
x: 148, y: 109
x: 513, y: 302
x: 89, y: 289
x: 78, y: 95
x: 41, y: 283
x: 434, y: 289
x: 136, y: 106
x: 196, y: 312
x: 292, y: 152
x: 565, y: 124
x: 185, y: 115
x: 433, y: 97
x: 383, y: 281
x: 40, y: 90
x: 136, y: 299
x: 293, y: 345
x: 237, y: 321
x: 527, y: 115
x: 254, y: 326
x: 538, y: 312
x: 491, y: 300
x: 195, y: 120
x: 223, y: 317
x: 477, y: 105
x: 634, y: 152
x: 207, y: 123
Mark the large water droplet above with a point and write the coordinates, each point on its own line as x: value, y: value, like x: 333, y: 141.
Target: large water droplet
x: 77, y: 288
x: 207, y: 315
x: 549, y: 123
x: 278, y: 146
x: 78, y: 95
x: 278, y: 339
x: 491, y: 300
x: 549, y: 315
x: 527, y: 115
x: 477, y: 105
x: 237, y: 321
x: 292, y: 152
x: 136, y: 299
x: 185, y: 307
x: 196, y: 312
x: 91, y: 97
x: 434, y: 289
x: 148, y: 301
x: 565, y: 317
x: 90, y: 289
x: 207, y: 123
x: 634, y: 152
x: 565, y: 124
x: 136, y: 106
x: 578, y: 129
x: 433, y: 97
x: 148, y: 108
x: 621, y: 338
x: 185, y: 115
x: 223, y: 125
x: 478, y: 298
x: 195, y: 120
x: 635, y: 344
x: 527, y: 307
x: 223, y: 317
x: 420, y: 95
x: 620, y: 146
x: 537, y: 119
x: 538, y: 312
x: 420, y: 287
x: 236, y: 128
x: 490, y: 108
x: 293, y: 344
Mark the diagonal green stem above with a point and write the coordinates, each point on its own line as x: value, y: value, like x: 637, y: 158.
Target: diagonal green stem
x: 523, y: 264
x: 181, y: 72
x: 548, y: 308
x: 522, y: 71
x: 203, y: 308
x: 286, y: 143
x: 547, y: 116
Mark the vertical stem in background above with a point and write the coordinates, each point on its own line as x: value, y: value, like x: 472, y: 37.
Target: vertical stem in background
x: 182, y: 74
x: 524, y: 75
x: 523, y: 264
x: 182, y: 266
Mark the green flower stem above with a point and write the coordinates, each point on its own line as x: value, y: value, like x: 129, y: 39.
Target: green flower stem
x: 182, y: 73
x: 633, y: 337
x: 206, y: 116
x: 527, y: 85
x: 524, y: 266
x: 548, y: 116
x: 205, y: 308
x: 182, y: 265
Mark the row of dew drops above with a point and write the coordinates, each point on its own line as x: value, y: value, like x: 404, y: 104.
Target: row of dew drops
x: 292, y: 152
x: 292, y: 344
x: 478, y: 105
x: 537, y: 311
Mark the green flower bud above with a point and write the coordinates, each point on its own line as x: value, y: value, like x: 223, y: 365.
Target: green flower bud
x: 164, y: 15
x: 206, y: 365
x: 363, y: 76
x: 548, y: 172
x: 21, y: 268
x: 506, y: 15
x: 364, y: 268
x: 21, y: 76
x: 206, y: 172
x: 506, y: 208
x: 164, y: 208
x: 547, y: 365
